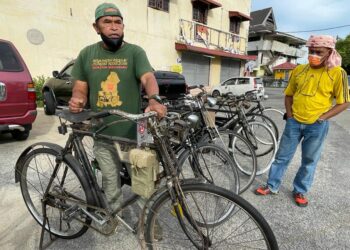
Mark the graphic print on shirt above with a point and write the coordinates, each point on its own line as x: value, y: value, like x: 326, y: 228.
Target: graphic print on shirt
x: 108, y: 95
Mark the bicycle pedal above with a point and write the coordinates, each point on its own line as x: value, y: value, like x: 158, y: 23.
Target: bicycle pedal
x: 110, y: 226
x: 69, y: 213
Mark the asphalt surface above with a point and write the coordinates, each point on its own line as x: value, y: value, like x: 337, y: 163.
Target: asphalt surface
x: 324, y: 224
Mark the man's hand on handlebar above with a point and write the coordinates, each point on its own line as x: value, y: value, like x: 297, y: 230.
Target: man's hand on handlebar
x: 153, y: 105
x: 76, y: 104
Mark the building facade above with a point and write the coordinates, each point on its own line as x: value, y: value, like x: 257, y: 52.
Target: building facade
x: 271, y: 47
x: 205, y: 40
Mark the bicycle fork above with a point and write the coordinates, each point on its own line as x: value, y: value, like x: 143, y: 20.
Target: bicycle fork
x: 182, y: 211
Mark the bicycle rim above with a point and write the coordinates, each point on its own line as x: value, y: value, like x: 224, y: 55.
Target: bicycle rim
x: 35, y: 175
x: 212, y: 164
x: 277, y: 116
x: 265, y: 148
x: 244, y: 158
x: 242, y: 228
x: 269, y: 122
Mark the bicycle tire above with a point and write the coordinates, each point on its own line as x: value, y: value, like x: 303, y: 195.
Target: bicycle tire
x: 244, y: 158
x: 35, y: 175
x: 265, y: 156
x: 244, y: 227
x: 264, y: 119
x: 211, y: 163
x: 277, y: 116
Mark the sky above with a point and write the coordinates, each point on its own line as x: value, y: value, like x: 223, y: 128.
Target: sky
x: 304, y: 15
x: 300, y: 15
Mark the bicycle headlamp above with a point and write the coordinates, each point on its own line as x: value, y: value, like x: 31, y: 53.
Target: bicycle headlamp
x: 211, y: 101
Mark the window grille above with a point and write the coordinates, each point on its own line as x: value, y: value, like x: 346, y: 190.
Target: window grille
x: 159, y: 4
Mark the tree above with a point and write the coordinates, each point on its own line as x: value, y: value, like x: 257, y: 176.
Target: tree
x: 343, y: 47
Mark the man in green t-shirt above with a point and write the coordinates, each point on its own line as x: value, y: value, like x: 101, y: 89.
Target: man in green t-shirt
x: 109, y: 74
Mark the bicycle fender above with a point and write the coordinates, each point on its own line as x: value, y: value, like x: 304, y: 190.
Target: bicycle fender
x: 19, y: 162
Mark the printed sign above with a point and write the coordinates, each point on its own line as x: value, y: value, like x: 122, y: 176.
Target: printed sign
x: 143, y: 136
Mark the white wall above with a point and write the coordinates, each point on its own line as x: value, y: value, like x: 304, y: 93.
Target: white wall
x: 66, y: 26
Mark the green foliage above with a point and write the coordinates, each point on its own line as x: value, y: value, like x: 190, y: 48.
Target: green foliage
x: 343, y: 47
x: 38, y: 83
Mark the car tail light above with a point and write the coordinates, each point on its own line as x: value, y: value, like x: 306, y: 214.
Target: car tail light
x: 31, y: 92
x: 255, y: 85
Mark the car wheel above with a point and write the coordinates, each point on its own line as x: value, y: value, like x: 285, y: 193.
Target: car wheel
x: 49, y: 103
x: 215, y: 93
x: 20, y: 135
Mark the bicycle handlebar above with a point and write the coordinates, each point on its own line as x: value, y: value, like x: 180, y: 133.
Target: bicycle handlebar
x: 88, y: 114
x: 133, y: 117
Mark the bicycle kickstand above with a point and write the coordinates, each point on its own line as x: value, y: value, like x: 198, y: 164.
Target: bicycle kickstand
x: 45, y: 220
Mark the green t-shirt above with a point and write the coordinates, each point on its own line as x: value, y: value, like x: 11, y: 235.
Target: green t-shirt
x: 114, y: 82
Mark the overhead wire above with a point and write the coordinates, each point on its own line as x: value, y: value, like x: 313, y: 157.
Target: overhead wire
x: 331, y: 28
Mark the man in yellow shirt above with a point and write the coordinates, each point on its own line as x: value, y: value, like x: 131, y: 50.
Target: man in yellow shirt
x: 308, y: 101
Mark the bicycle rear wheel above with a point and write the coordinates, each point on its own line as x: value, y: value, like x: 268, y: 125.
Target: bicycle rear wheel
x: 244, y: 158
x: 88, y: 143
x: 277, y: 116
x: 268, y: 121
x: 264, y: 143
x: 210, y: 163
x: 67, y: 190
x: 238, y: 224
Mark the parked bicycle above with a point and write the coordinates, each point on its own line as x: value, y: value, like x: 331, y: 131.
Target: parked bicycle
x: 254, y: 127
x: 62, y: 194
x: 204, y: 138
x: 274, y: 114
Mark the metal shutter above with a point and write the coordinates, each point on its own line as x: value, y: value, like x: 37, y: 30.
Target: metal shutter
x: 229, y: 68
x: 195, y: 68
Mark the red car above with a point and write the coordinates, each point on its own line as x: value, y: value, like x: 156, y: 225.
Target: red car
x: 17, y: 93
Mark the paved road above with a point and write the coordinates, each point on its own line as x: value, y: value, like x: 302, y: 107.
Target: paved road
x: 324, y: 224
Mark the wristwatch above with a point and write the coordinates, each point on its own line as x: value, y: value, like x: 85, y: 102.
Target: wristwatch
x: 156, y: 97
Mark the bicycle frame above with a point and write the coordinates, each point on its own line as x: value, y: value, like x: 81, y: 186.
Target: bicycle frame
x: 166, y: 156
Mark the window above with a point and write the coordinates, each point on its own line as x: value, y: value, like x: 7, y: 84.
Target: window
x: 8, y: 59
x: 159, y: 4
x: 253, y: 39
x: 235, y: 25
x: 230, y: 82
x: 200, y: 12
x: 243, y: 81
x: 67, y: 72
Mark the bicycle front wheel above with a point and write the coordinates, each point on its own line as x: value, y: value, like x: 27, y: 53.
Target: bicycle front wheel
x: 238, y: 224
x: 210, y: 163
x: 64, y: 219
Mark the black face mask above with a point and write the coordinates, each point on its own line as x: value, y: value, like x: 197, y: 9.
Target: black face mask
x: 113, y: 44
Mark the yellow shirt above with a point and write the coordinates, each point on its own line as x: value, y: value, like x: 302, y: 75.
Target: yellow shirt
x: 313, y: 91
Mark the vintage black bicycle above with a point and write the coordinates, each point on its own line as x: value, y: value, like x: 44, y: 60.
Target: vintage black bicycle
x: 256, y: 128
x: 61, y: 192
x: 203, y: 150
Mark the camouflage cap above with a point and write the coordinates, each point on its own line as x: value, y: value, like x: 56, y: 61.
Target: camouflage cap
x: 101, y: 11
